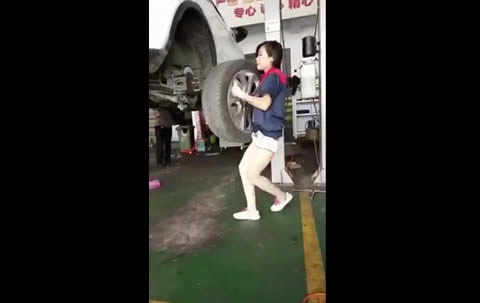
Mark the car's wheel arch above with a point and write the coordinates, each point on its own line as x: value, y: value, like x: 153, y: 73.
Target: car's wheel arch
x: 180, y: 13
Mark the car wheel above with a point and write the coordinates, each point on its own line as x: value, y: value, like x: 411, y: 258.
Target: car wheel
x: 227, y: 116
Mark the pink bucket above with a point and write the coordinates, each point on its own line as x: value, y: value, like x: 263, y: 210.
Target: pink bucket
x: 154, y: 184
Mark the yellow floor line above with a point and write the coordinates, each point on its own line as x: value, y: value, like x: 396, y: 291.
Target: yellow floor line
x: 154, y: 301
x: 315, y: 274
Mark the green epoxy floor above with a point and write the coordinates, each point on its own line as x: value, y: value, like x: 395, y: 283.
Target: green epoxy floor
x: 252, y: 261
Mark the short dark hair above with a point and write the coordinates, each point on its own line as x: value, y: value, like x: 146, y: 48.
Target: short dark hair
x: 273, y: 49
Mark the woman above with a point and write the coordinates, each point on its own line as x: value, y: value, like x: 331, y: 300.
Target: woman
x: 268, y: 120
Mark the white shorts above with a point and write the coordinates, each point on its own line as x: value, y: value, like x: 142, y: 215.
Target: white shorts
x: 264, y: 142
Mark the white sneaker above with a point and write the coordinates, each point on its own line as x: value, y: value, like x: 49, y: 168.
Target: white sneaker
x: 278, y: 206
x: 247, y: 215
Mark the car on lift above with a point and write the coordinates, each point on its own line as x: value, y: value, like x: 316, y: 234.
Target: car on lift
x: 193, y: 60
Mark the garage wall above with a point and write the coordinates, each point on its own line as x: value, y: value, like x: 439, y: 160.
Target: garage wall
x: 293, y: 29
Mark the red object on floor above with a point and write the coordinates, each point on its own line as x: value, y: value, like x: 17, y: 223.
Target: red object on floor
x: 154, y: 184
x: 190, y: 151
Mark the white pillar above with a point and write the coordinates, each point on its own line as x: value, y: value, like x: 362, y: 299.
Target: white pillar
x: 273, y: 32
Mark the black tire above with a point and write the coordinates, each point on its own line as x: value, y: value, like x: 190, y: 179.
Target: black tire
x: 214, y: 100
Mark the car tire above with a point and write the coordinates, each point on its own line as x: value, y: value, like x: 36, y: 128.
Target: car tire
x: 223, y: 112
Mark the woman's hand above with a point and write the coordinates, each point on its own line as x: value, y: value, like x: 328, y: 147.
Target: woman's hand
x: 237, y: 91
x: 262, y: 103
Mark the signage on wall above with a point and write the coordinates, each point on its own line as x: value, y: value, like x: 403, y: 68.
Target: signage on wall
x: 247, y: 12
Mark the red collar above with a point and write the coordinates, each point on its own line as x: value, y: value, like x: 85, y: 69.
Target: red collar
x: 273, y: 70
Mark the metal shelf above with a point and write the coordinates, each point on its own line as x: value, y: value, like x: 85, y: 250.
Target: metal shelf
x: 308, y: 101
x: 299, y: 119
x: 306, y: 115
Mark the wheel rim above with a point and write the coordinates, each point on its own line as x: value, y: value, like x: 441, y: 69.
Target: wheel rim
x: 239, y: 110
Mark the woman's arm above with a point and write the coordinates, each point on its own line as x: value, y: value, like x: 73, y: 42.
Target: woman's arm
x: 262, y: 103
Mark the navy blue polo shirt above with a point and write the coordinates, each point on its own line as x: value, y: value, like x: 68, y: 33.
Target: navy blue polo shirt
x: 271, y: 121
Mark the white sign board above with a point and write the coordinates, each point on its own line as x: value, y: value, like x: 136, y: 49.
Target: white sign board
x: 272, y: 26
x: 247, y: 12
